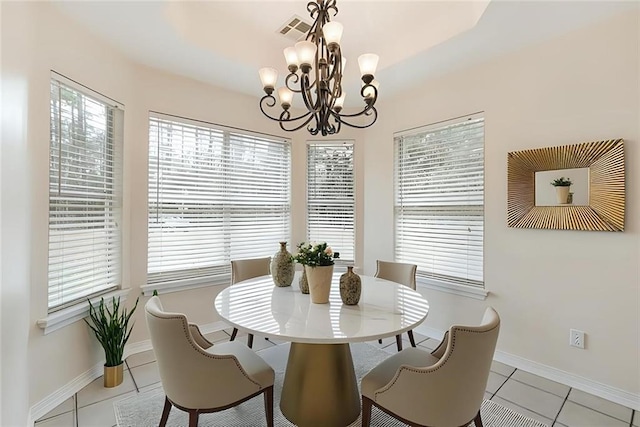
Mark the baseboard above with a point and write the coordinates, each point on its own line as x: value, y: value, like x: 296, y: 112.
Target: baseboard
x: 587, y: 385
x: 50, y: 402
x: 613, y: 394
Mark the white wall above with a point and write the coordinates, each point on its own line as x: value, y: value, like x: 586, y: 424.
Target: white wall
x: 576, y: 88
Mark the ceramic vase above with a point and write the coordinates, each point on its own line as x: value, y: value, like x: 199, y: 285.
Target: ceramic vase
x: 319, y: 279
x: 350, y: 287
x: 282, y: 268
x: 562, y: 194
x: 303, y: 282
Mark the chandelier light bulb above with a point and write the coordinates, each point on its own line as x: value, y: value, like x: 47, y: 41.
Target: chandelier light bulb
x: 306, y: 53
x: 292, y: 58
x: 332, y: 32
x: 368, y: 63
x: 269, y: 77
x: 286, y: 97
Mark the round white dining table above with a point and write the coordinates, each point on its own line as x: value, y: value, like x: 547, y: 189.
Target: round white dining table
x: 320, y: 386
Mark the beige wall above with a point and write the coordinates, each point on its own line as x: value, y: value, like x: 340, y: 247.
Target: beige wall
x: 580, y: 87
x: 576, y: 88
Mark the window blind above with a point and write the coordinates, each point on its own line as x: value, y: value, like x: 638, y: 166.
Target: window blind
x: 84, y: 195
x: 439, y: 201
x: 331, y: 196
x: 215, y: 194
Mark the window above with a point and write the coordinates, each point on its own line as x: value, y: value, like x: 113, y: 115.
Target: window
x: 215, y: 194
x: 439, y: 201
x: 331, y: 196
x: 85, y: 171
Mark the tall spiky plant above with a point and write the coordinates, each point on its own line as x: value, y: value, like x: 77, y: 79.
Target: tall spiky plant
x: 112, y: 329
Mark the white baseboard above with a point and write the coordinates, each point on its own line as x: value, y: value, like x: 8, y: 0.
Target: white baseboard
x: 613, y: 394
x: 50, y: 402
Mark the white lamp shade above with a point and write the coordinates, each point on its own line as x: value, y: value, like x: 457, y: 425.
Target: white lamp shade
x: 332, y: 32
x: 369, y: 92
x: 285, y: 96
x: 344, y: 64
x: 340, y: 101
x: 291, y: 56
x: 368, y: 63
x: 269, y: 77
x: 306, y: 53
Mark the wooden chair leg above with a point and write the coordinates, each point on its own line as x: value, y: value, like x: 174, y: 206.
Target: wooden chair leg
x: 413, y: 341
x: 478, y: 420
x: 250, y: 341
x: 193, y: 418
x: 268, y: 405
x: 233, y: 334
x: 366, y: 412
x: 399, y: 342
x: 165, y: 412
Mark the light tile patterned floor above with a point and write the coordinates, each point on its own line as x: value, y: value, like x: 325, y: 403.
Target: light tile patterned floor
x: 555, y: 404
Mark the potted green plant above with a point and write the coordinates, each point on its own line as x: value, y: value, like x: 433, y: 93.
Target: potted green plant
x: 112, y: 329
x: 562, y: 186
x: 317, y: 260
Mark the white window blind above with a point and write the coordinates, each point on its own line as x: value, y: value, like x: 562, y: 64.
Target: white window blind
x: 85, y: 173
x: 215, y: 194
x: 331, y: 196
x: 439, y: 201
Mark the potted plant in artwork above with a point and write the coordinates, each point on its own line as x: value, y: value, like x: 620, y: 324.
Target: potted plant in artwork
x: 111, y: 328
x: 318, y: 261
x: 562, y: 185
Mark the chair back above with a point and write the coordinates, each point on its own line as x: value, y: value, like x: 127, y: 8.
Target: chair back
x: 244, y: 269
x: 397, y: 272
x: 187, y: 372
x: 450, y: 391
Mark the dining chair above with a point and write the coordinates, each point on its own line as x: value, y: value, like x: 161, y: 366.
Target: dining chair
x: 244, y: 269
x: 404, y: 274
x: 443, y: 388
x: 200, y: 377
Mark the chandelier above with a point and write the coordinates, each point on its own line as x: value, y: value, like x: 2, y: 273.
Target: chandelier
x: 321, y: 64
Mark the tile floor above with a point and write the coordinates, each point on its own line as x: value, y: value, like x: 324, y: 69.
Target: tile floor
x: 555, y: 404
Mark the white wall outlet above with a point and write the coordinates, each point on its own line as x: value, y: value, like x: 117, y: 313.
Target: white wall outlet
x: 576, y: 338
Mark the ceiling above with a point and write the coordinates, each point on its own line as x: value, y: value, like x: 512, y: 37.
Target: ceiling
x: 224, y: 43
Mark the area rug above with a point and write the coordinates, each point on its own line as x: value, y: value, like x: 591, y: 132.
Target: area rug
x: 145, y: 409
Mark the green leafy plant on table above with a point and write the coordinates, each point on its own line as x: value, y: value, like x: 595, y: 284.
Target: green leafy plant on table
x: 315, y: 254
x: 561, y: 182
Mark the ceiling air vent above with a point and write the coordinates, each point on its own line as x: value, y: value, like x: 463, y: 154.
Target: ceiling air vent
x: 295, y: 28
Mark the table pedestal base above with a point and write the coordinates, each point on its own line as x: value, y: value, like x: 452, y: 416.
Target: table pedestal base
x: 320, y: 388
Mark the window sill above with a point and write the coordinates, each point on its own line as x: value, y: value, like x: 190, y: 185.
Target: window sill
x: 461, y: 290
x: 185, y: 285
x: 69, y: 315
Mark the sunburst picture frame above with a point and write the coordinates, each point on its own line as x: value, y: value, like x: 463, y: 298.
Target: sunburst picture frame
x: 605, y: 211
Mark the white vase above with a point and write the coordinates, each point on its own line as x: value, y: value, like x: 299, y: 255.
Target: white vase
x: 562, y: 194
x: 319, y: 279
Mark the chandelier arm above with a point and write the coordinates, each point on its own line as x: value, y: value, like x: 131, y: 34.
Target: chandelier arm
x: 270, y: 101
x: 371, y: 112
x: 307, y: 97
x: 295, y: 78
x: 282, y: 122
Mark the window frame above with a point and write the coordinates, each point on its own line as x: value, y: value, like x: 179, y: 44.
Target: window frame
x: 450, y: 285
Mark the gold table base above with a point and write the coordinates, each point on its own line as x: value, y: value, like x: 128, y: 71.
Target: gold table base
x: 320, y: 388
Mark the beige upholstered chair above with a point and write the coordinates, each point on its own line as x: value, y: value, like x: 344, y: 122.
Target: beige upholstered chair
x: 200, y: 377
x: 245, y: 269
x: 400, y: 273
x: 444, y: 388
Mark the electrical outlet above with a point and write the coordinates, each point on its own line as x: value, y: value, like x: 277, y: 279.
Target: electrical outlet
x: 576, y: 338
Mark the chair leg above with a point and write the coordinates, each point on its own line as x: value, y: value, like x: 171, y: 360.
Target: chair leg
x: 413, y: 341
x: 399, y: 342
x: 250, y: 341
x: 379, y: 341
x: 165, y: 412
x: 478, y: 420
x: 268, y: 405
x: 233, y: 334
x: 193, y: 418
x: 366, y: 412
